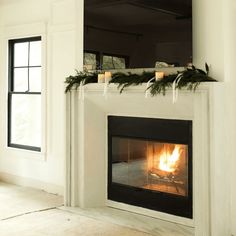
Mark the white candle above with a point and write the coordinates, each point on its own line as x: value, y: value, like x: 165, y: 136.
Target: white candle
x: 107, y: 76
x: 101, y: 78
x: 159, y: 75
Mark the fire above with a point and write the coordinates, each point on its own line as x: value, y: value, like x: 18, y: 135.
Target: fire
x: 168, y: 159
x: 167, y: 167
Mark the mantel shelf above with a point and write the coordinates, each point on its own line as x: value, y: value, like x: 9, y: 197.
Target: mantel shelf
x: 113, y: 88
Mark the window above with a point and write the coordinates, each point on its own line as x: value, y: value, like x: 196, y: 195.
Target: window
x: 24, y: 94
x: 91, y: 60
x: 114, y: 62
x: 95, y: 60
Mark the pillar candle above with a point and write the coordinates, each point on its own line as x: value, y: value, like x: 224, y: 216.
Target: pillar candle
x: 159, y: 75
x: 107, y: 76
x: 101, y: 78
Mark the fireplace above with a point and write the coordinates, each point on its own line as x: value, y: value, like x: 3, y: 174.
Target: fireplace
x: 150, y: 163
x: 192, y: 122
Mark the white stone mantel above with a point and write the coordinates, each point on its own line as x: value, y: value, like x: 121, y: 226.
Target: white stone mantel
x: 86, y: 179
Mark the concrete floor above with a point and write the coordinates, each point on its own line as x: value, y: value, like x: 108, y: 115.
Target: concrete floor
x: 30, y: 212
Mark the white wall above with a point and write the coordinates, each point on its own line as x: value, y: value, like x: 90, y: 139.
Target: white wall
x: 229, y: 65
x: 55, y: 22
x: 208, y: 36
x: 60, y: 23
x: 214, y: 42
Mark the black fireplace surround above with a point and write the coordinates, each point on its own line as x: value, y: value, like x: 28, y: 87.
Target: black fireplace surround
x: 143, y: 130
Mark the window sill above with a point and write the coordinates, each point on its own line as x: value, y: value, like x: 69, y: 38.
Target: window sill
x: 26, y: 154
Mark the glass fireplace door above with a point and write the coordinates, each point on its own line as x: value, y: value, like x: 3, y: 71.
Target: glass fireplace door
x: 150, y: 165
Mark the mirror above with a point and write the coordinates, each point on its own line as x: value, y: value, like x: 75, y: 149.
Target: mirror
x: 121, y: 34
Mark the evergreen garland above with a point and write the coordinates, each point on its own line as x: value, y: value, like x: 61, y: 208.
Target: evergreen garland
x: 190, y: 78
x: 125, y: 80
x: 83, y: 77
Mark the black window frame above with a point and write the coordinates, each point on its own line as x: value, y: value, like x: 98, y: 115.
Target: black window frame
x: 99, y: 59
x: 97, y: 55
x: 126, y: 58
x: 11, y: 91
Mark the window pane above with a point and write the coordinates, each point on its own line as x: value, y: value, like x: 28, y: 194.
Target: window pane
x: 112, y: 62
x: 20, y: 79
x: 21, y: 54
x: 35, y: 79
x: 26, y: 120
x: 90, y: 61
x: 35, y: 53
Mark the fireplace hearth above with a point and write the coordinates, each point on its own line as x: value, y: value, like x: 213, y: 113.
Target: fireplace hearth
x: 150, y: 163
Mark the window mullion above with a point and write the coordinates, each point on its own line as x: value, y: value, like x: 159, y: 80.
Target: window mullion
x: 29, y: 93
x: 17, y: 67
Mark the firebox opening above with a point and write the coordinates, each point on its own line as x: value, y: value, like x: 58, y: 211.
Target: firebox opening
x: 150, y: 163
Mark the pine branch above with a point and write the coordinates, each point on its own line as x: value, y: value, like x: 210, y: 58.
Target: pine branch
x: 126, y: 80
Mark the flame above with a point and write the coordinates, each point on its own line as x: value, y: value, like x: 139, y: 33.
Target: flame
x: 168, y: 160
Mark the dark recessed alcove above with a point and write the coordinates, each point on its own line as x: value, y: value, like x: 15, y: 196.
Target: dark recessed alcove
x: 137, y: 33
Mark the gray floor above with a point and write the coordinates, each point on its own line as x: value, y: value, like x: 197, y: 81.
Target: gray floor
x: 30, y: 212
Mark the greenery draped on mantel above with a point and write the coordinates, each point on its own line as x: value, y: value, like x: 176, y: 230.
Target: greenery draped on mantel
x: 189, y: 78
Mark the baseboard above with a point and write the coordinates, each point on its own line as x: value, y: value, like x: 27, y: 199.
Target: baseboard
x: 28, y: 182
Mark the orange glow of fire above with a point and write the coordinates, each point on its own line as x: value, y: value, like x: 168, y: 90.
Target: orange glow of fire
x: 168, y: 159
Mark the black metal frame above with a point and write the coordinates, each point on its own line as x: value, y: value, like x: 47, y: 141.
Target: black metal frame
x: 161, y: 130
x: 11, y: 91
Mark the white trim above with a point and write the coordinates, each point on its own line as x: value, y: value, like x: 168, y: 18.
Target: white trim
x: 26, y: 31
x: 28, y: 182
x: 68, y: 167
x: 44, y: 134
x: 35, y: 154
x: 151, y: 213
